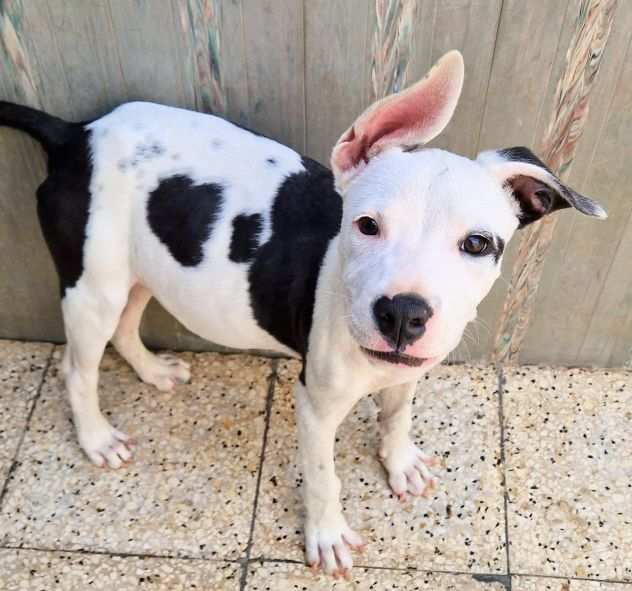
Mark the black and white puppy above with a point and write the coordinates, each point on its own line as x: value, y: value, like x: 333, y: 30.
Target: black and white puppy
x: 369, y: 272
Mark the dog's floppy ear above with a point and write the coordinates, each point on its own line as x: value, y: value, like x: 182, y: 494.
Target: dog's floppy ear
x: 535, y: 188
x: 408, y: 118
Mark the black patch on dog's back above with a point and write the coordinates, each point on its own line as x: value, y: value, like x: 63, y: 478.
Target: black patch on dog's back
x: 182, y: 215
x: 245, y: 238
x: 63, y: 204
x: 305, y: 217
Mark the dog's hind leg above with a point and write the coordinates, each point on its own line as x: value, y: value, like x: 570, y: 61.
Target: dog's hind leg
x: 161, y: 371
x: 90, y: 318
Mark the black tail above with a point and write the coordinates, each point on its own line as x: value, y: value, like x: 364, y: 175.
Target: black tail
x: 50, y: 131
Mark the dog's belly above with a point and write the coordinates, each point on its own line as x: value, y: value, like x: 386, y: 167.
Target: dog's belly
x: 213, y: 302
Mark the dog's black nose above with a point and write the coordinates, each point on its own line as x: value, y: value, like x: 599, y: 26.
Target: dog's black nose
x: 402, y: 320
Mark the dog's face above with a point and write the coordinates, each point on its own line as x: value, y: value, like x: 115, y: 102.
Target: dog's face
x: 424, y: 230
x: 428, y: 224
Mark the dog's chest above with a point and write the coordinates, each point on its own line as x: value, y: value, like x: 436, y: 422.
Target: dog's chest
x: 227, y: 228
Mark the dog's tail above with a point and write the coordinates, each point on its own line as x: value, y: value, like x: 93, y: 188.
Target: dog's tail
x: 52, y: 132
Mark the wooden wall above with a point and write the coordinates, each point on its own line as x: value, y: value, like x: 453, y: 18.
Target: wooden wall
x: 300, y: 71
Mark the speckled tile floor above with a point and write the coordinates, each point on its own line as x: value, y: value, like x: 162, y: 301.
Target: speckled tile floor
x: 535, y: 491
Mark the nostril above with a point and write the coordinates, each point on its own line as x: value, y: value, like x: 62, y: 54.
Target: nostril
x: 386, y: 317
x: 416, y: 322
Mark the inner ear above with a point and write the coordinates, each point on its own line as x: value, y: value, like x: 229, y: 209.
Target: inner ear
x: 413, y: 116
x: 535, y: 198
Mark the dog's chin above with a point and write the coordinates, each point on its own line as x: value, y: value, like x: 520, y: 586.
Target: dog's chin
x: 396, y: 358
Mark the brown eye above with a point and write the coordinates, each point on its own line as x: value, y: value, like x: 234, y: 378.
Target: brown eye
x: 475, y: 244
x: 368, y: 226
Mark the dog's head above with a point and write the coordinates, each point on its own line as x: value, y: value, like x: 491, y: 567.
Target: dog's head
x: 423, y: 230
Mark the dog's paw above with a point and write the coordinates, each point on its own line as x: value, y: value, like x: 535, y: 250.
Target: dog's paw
x: 164, y: 371
x: 409, y: 470
x: 105, y: 445
x: 328, y: 546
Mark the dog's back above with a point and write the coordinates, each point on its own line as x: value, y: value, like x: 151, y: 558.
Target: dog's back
x: 186, y: 206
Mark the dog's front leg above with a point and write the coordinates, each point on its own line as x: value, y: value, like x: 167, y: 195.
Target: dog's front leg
x: 328, y: 537
x: 407, y: 466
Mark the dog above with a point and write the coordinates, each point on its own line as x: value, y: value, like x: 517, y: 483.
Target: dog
x: 368, y: 272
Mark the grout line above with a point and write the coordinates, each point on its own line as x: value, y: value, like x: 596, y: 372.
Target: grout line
x: 38, y: 393
x: 117, y: 554
x: 562, y: 578
x: 478, y: 576
x: 485, y: 577
x: 504, y: 580
x: 501, y: 417
x: 268, y: 417
x: 402, y: 569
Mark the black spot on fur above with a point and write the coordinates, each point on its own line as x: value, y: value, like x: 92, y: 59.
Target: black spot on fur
x: 522, y: 154
x: 63, y: 204
x: 536, y: 197
x: 271, y: 161
x: 306, y: 215
x: 182, y: 215
x: 245, y: 238
x: 500, y: 248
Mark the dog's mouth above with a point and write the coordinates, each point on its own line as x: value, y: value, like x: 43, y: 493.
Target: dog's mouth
x: 395, y: 357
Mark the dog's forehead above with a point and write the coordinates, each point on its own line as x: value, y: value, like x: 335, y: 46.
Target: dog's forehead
x: 435, y: 184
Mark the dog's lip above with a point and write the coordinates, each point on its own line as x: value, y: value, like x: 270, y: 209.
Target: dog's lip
x: 395, y: 357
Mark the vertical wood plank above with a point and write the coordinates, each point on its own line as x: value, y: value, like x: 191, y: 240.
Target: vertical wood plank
x: 469, y: 26
x: 336, y: 71
x: 152, y: 51
x: 28, y: 290
x: 216, y: 56
x: 589, y: 260
x: 275, y: 51
x: 583, y: 59
x: 519, y: 89
x: 75, y: 57
x: 392, y: 46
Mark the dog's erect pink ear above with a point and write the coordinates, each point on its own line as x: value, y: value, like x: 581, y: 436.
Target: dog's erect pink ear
x: 408, y: 118
x: 536, y: 190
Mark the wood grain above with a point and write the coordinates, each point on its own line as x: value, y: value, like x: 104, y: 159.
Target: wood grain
x: 301, y: 72
x: 589, y: 259
x: 565, y: 127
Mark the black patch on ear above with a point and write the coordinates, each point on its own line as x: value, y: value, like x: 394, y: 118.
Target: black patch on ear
x: 522, y: 154
x: 63, y: 204
x: 245, y: 238
x: 182, y: 215
x: 537, y: 198
x: 306, y: 215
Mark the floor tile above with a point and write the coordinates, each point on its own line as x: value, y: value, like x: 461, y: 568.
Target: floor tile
x: 191, y: 489
x: 460, y: 528
x: 204, y: 421
x: 548, y: 584
x: 569, y: 472
x: 22, y: 367
x: 271, y: 576
x: 29, y: 570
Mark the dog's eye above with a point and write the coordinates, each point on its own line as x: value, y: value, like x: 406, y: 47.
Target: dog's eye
x: 368, y: 226
x: 476, y: 244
